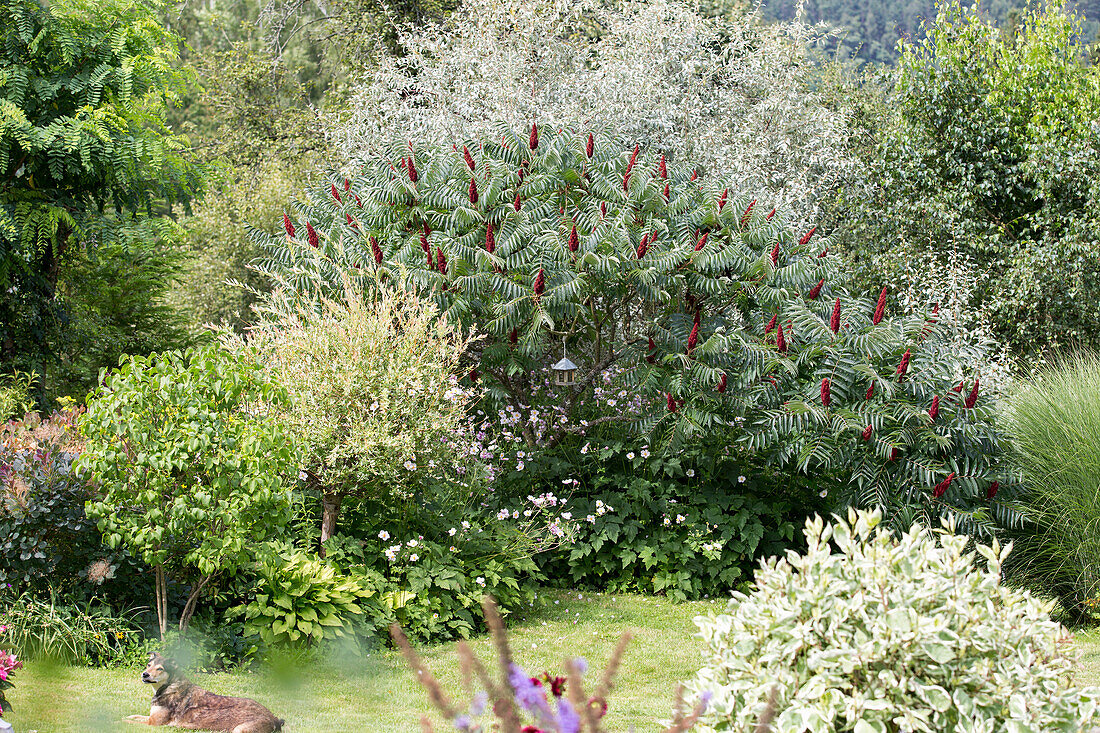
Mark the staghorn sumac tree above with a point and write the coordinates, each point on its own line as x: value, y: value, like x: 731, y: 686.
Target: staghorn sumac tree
x: 712, y: 312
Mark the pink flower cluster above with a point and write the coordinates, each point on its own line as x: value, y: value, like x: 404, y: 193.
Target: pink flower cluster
x: 8, y: 663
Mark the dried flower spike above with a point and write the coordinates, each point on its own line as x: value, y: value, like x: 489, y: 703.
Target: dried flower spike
x: 771, y: 324
x: 336, y: 194
x: 816, y: 291
x: 702, y: 241
x: 826, y: 392
x: 780, y: 341
x: 866, y: 434
x: 834, y: 321
x: 870, y: 392
x: 806, y: 237
x: 533, y: 140
x: 314, y: 240
x: 590, y: 146
x: 934, y: 410
x: 288, y: 226
x: 903, y: 367
x: 775, y: 255
x: 574, y: 240
x: 376, y: 250
x: 490, y: 238
x: 722, y: 199
x: 469, y: 158
x: 693, y: 338
x: 540, y: 282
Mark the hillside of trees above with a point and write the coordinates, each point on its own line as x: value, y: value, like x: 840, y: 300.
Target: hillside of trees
x: 870, y: 29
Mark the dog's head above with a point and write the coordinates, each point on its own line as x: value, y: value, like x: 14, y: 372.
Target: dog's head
x: 160, y: 671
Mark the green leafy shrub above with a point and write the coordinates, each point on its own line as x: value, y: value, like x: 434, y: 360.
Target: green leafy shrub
x: 685, y: 524
x: 15, y: 394
x: 65, y: 629
x: 301, y: 598
x: 888, y: 633
x: 678, y: 290
x: 1053, y: 422
x: 432, y: 582
x: 987, y: 162
x: 188, y: 464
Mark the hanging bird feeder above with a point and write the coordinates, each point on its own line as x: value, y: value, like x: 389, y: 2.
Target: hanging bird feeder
x: 565, y: 371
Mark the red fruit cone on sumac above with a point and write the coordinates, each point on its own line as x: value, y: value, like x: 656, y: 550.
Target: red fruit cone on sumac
x: 474, y: 375
x: 826, y: 392
x: 934, y: 410
x: 424, y: 240
x: 590, y: 146
x: 748, y: 211
x: 942, y: 486
x: 722, y: 381
x: 959, y: 388
x: 870, y: 392
x: 903, y: 367
x: 314, y: 240
x: 806, y: 237
x: 972, y: 398
x: 651, y: 347
x: 473, y: 190
x: 358, y: 201
x: 662, y: 169
x: 376, y: 250
x: 533, y: 140
x: 410, y: 166
x: 347, y: 185
x: 665, y: 193
x: 469, y: 158
x: 626, y: 181
x: 633, y: 158
x: 866, y: 434
x: 574, y: 240
x: 517, y: 203
x: 770, y: 215
x: 643, y: 246
x: 880, y: 307
x: 513, y: 337
x: 603, y: 208
x: 693, y: 338
x: 775, y: 255
x: 540, y: 282
x: 695, y: 175
x: 336, y: 194
x: 351, y: 223
x: 722, y: 199
x: 671, y: 403
x: 440, y: 261
x: 992, y: 490
x: 490, y: 238
x: 431, y: 262
x: 771, y: 324
x: 893, y: 454
x: 824, y: 253
x: 834, y: 321
x: 816, y: 291
x: 702, y: 241
x: 780, y: 341
x: 288, y: 226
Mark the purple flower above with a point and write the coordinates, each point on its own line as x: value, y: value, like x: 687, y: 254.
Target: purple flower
x: 529, y: 695
x: 568, y: 720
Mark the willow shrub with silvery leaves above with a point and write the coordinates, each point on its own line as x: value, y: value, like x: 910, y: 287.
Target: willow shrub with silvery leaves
x: 735, y: 95
x: 711, y: 311
x: 872, y: 634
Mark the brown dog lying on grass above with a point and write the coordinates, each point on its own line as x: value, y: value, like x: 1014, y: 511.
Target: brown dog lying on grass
x: 182, y: 704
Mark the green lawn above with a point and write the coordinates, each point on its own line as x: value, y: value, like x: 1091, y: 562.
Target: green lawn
x: 378, y: 693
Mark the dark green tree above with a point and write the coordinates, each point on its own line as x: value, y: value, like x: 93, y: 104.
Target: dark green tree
x: 711, y: 314
x: 84, y: 151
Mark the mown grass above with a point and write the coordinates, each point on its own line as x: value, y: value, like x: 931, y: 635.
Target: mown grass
x: 378, y: 693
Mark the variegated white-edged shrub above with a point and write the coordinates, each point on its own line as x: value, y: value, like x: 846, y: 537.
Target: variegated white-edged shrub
x: 875, y: 633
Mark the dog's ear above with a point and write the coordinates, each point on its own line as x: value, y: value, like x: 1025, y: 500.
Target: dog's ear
x: 153, y: 656
x: 170, y: 666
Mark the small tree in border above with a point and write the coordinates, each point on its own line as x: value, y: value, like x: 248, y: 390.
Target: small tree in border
x: 188, y: 467
x: 678, y: 287
x: 376, y: 405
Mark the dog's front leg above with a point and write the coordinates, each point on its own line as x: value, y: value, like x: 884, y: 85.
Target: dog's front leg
x: 138, y: 719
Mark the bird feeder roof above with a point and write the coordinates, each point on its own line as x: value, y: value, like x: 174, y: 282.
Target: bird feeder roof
x: 565, y: 366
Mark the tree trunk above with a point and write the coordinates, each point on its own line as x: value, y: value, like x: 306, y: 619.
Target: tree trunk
x: 330, y: 511
x: 162, y: 600
x: 192, y: 601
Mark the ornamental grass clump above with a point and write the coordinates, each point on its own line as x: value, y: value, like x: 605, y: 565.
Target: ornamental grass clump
x: 1053, y: 424
x: 874, y: 633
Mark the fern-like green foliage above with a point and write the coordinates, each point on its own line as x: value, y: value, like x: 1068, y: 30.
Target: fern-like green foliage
x: 83, y: 91
x: 668, y: 283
